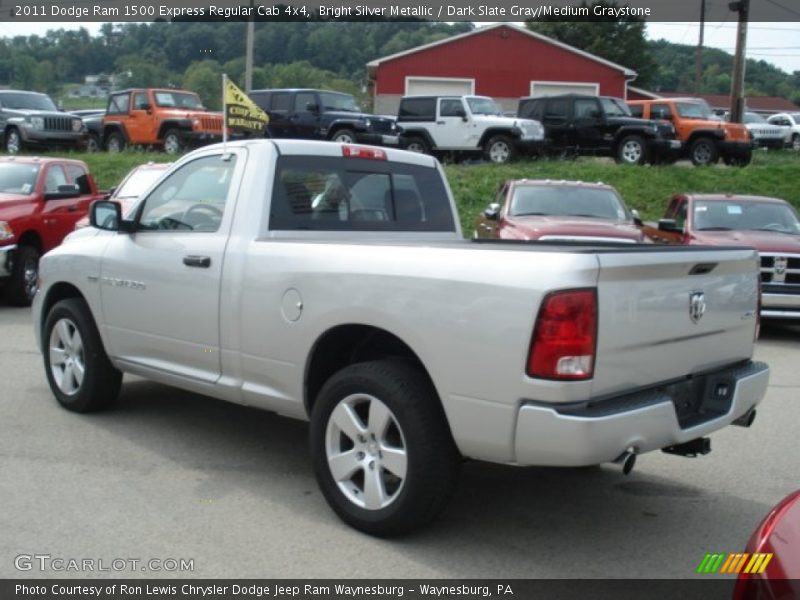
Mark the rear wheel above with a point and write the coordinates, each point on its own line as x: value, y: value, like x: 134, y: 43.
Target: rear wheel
x: 21, y: 287
x: 78, y: 370
x: 417, y: 144
x: 13, y: 141
x: 383, y: 454
x: 632, y: 150
x: 703, y: 152
x: 115, y: 142
x: 499, y: 149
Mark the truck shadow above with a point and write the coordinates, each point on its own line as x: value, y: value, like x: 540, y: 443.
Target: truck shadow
x: 503, y: 521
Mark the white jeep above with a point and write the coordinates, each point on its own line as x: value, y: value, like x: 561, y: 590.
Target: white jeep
x: 441, y: 125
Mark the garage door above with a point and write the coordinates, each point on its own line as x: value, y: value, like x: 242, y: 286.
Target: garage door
x: 439, y: 86
x: 555, y: 88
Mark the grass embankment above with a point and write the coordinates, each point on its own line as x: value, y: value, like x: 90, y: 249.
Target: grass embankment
x: 644, y: 188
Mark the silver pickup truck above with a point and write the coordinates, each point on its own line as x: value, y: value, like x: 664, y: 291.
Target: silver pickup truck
x: 331, y: 282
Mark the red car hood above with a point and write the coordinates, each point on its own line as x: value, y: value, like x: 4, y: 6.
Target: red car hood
x: 9, y: 200
x: 763, y: 241
x: 536, y: 227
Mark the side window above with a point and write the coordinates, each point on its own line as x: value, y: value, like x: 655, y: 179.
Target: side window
x: 637, y: 110
x: 660, y: 111
x: 450, y: 107
x: 118, y: 105
x: 139, y: 101
x: 327, y: 194
x: 417, y: 109
x: 680, y: 213
x: 532, y: 110
x: 79, y: 177
x: 281, y: 101
x: 302, y: 100
x: 54, y: 178
x: 586, y: 109
x: 556, y: 108
x: 190, y: 199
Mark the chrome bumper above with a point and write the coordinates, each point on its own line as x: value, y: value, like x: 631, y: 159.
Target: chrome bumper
x: 780, y: 306
x: 548, y: 437
x: 6, y: 256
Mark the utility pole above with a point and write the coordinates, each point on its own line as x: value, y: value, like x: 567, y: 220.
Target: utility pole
x: 698, y: 65
x: 737, y: 83
x: 248, y: 50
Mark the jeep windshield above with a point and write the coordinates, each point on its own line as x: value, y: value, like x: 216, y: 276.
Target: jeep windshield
x: 17, y: 178
x: 693, y: 110
x: 615, y: 108
x: 186, y: 100
x: 721, y: 215
x: 22, y: 101
x: 567, y: 200
x: 483, y: 106
x: 338, y: 102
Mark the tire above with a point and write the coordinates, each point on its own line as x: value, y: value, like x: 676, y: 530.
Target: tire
x: 21, y: 286
x: 795, y: 143
x: 173, y: 143
x: 417, y: 144
x: 703, y: 152
x: 115, y: 142
x: 13, y: 141
x: 344, y: 136
x: 499, y: 149
x: 632, y: 150
x: 424, y: 460
x: 72, y: 345
x: 93, y: 143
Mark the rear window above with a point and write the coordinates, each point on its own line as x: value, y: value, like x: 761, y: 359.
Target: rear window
x: 336, y: 194
x: 417, y: 109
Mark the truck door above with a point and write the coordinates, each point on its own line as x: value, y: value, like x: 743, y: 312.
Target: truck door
x: 58, y: 214
x: 142, y: 126
x: 160, y: 285
x: 453, y: 127
x: 589, y: 124
x: 305, y: 116
x: 555, y: 121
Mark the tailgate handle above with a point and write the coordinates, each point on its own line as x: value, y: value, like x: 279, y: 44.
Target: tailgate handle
x: 702, y: 268
x: 197, y: 261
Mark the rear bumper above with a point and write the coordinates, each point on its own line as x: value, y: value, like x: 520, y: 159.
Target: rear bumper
x: 644, y: 421
x: 6, y: 256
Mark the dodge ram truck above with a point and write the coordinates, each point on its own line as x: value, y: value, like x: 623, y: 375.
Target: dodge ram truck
x: 331, y: 282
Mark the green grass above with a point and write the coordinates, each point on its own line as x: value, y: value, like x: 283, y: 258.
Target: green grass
x: 643, y: 188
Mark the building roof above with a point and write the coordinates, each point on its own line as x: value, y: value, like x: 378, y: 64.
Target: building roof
x: 372, y: 65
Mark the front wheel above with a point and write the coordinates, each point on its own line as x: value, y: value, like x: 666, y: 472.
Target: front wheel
x: 173, y: 143
x: 13, y: 141
x: 632, y: 150
x: 418, y: 145
x: 24, y: 274
x: 78, y: 370
x: 93, y: 143
x: 344, y: 136
x: 499, y: 149
x: 795, y: 143
x: 383, y: 455
x: 703, y: 152
x: 115, y: 142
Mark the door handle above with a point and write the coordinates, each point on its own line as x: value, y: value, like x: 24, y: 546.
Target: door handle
x: 197, y: 261
x: 440, y: 122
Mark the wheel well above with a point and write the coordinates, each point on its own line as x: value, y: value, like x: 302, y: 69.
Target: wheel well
x: 165, y: 127
x: 348, y: 344
x: 490, y: 133
x: 31, y: 238
x: 109, y: 129
x: 57, y: 293
x: 702, y: 134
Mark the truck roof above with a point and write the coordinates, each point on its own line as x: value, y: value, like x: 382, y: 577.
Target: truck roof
x: 734, y: 197
x: 562, y: 182
x: 40, y: 160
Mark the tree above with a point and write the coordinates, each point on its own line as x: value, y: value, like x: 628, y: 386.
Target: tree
x: 620, y: 40
x: 205, y: 79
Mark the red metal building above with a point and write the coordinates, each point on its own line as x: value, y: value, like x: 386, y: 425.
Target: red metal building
x: 504, y: 61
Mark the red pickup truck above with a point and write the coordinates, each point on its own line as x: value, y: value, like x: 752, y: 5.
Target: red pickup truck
x: 41, y: 199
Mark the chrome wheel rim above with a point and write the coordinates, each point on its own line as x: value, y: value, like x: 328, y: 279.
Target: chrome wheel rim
x: 343, y: 138
x: 702, y: 154
x: 12, y: 142
x: 632, y: 152
x: 67, y: 364
x: 30, y: 274
x: 366, y: 451
x: 499, y: 152
x: 172, y: 144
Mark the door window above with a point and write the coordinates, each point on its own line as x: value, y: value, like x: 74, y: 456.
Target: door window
x: 451, y: 107
x: 80, y: 178
x: 55, y: 177
x: 302, y: 100
x: 140, y: 102
x: 118, y: 105
x: 586, y: 109
x: 190, y: 199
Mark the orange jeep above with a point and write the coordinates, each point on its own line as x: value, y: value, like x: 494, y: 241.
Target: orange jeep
x: 173, y: 119
x: 705, y: 138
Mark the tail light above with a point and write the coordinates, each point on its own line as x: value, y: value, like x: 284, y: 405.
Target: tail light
x: 565, y: 336
x: 350, y: 151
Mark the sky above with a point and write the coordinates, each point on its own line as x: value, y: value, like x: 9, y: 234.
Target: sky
x: 776, y: 43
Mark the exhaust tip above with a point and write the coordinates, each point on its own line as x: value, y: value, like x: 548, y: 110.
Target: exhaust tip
x: 627, y: 460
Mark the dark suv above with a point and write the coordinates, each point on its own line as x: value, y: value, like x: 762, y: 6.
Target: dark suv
x: 30, y: 119
x: 323, y: 115
x: 601, y: 125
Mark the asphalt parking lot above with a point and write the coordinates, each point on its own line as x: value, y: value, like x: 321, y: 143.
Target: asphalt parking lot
x: 170, y: 475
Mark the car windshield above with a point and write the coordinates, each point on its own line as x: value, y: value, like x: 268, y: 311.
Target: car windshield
x: 754, y: 118
x: 795, y: 117
x: 137, y: 183
x: 722, y: 215
x: 21, y: 101
x: 18, y: 178
x: 483, y: 106
x: 615, y: 108
x: 566, y: 200
x: 178, y: 100
x: 693, y: 110
x: 340, y: 102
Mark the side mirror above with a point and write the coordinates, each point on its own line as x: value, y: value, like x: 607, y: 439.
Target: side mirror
x: 492, y: 211
x: 65, y: 191
x: 669, y: 225
x: 637, y: 219
x: 106, y: 215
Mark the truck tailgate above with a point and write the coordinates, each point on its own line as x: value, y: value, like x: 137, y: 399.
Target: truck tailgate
x: 675, y: 313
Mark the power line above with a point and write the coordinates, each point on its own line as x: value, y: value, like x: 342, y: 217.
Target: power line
x: 786, y: 8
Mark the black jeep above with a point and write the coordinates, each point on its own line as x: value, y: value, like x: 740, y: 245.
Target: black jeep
x: 323, y: 115
x: 600, y: 125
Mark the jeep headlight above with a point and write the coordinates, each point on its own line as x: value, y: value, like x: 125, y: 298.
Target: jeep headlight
x: 6, y: 233
x: 77, y: 125
x: 37, y: 122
